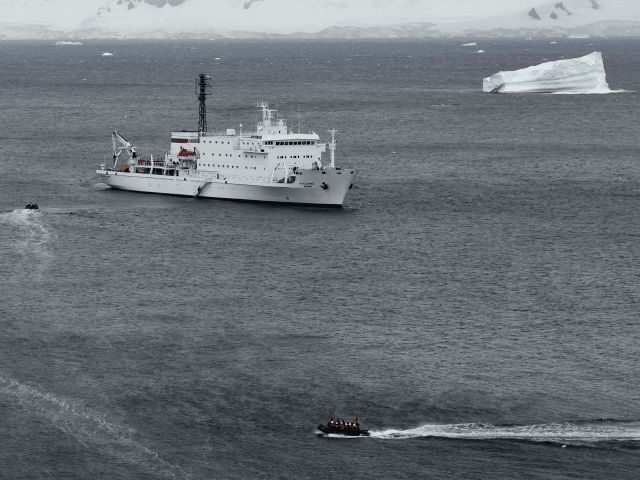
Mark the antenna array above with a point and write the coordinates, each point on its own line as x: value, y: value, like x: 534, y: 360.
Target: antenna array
x: 203, y: 90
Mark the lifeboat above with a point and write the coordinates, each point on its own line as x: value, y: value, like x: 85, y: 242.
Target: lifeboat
x: 349, y: 431
x: 184, y: 153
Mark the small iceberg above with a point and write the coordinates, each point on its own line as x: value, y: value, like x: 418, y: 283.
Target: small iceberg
x: 480, y: 51
x: 469, y: 44
x: 576, y: 75
x: 60, y: 42
x: 107, y: 54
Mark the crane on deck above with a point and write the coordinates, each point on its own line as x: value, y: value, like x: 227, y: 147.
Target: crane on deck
x: 117, y: 138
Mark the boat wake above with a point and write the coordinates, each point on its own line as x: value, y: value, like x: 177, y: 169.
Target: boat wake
x: 595, y: 91
x: 28, y: 238
x: 89, y: 428
x: 568, y: 432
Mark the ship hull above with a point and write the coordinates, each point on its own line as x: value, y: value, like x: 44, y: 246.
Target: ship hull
x: 317, y: 188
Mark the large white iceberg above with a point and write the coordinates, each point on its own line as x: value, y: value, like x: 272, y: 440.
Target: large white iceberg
x: 584, y: 74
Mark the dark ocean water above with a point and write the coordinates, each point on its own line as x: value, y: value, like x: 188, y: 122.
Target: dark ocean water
x: 475, y: 303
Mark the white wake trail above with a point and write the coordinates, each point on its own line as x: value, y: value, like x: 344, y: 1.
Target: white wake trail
x: 29, y: 239
x: 89, y: 428
x: 550, y: 432
x: 595, y: 91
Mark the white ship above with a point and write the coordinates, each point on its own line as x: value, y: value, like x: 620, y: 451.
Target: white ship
x: 271, y: 164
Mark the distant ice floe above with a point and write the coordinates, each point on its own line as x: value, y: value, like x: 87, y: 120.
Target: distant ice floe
x: 480, y: 51
x: 577, y: 75
x: 469, y: 44
x: 107, y: 54
x: 59, y: 42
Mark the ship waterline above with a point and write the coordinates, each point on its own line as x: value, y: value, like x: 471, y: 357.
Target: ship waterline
x: 326, y: 188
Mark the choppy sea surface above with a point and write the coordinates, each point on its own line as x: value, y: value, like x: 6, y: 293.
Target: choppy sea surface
x: 475, y: 302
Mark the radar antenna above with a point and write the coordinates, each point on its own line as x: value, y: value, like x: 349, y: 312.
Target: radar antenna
x: 203, y: 90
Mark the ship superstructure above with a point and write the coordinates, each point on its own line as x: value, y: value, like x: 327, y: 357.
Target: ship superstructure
x: 270, y: 163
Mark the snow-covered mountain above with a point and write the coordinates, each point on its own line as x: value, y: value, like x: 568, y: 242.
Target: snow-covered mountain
x: 73, y: 19
x: 592, y: 17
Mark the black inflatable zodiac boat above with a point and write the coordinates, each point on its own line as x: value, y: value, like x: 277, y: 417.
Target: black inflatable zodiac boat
x: 343, y: 430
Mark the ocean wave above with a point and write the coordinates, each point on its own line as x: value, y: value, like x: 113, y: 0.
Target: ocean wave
x: 89, y: 428
x: 581, y: 432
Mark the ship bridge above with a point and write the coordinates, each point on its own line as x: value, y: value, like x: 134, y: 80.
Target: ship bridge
x: 270, y: 125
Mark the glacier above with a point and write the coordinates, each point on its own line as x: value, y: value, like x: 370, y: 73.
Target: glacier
x: 578, y: 75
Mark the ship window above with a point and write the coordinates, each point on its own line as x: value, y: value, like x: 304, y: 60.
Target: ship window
x: 216, y: 141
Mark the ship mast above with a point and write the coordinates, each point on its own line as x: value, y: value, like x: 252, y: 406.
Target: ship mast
x: 332, y: 147
x: 203, y: 90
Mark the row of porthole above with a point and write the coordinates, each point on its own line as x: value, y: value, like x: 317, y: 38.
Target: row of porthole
x: 223, y: 166
x: 229, y: 155
x: 216, y: 142
x: 296, y: 156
